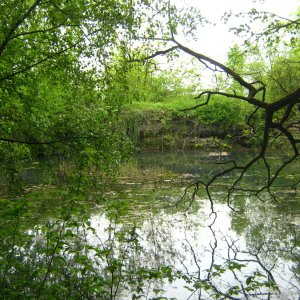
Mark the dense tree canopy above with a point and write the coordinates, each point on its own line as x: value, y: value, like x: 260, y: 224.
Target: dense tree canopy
x: 51, y: 100
x: 67, y: 68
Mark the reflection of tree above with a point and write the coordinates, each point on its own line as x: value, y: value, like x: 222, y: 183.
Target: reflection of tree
x: 134, y: 252
x: 233, y: 277
x: 207, y: 271
x: 249, y: 268
x: 112, y: 260
x: 271, y: 235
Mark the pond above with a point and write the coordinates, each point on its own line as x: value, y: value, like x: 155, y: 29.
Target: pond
x: 150, y: 237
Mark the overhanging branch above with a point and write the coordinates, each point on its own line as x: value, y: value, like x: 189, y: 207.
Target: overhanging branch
x: 157, y: 53
x: 252, y: 91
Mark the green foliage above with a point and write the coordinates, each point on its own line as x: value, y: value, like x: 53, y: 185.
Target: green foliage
x: 62, y: 114
x: 57, y: 259
x: 52, y: 99
x: 69, y: 257
x: 222, y: 113
x: 61, y: 90
x: 237, y: 62
x: 134, y: 82
x: 284, y: 71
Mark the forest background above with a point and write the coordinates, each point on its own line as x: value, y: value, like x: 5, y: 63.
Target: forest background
x: 84, y: 82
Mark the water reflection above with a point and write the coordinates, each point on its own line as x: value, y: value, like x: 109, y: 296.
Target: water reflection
x: 212, y: 261
x: 140, y: 245
x: 253, y: 252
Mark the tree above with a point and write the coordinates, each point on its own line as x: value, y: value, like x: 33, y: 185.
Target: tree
x: 280, y: 111
x: 56, y: 97
x: 52, y: 55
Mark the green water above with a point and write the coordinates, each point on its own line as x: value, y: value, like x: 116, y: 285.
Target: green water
x: 263, y: 236
x: 143, y: 238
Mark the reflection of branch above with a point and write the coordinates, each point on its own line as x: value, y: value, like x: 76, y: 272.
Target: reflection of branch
x: 232, y: 264
x: 254, y: 259
x: 268, y: 271
x: 195, y: 187
x: 194, y: 257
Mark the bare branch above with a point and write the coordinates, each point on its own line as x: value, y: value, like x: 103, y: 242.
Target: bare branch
x: 157, y: 53
x: 291, y: 98
x: 252, y: 91
x: 252, y: 101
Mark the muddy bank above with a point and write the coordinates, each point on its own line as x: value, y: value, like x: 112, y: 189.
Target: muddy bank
x: 152, y: 130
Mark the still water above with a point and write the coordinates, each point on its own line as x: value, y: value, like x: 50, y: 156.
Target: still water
x: 152, y: 237
x: 242, y: 248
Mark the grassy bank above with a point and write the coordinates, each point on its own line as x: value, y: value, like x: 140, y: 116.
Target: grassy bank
x: 167, y: 125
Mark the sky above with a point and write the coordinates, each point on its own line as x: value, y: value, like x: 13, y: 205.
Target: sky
x: 216, y: 40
